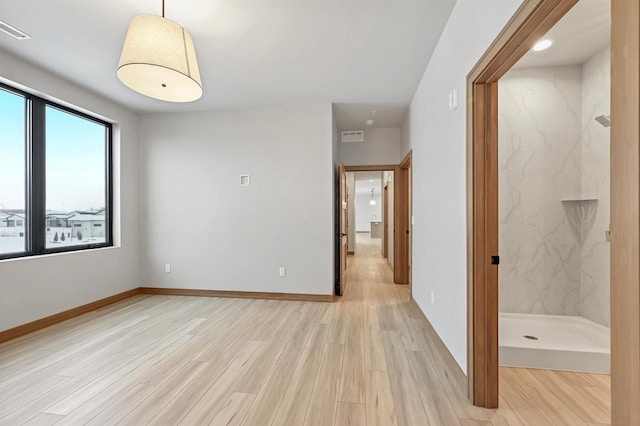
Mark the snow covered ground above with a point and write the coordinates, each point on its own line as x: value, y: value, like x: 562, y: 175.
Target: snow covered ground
x: 16, y: 244
x: 11, y: 244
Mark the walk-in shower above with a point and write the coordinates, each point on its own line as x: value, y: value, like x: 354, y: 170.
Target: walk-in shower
x: 554, y: 205
x: 554, y: 342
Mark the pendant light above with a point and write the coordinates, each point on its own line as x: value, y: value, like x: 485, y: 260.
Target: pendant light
x: 372, y: 202
x: 159, y: 60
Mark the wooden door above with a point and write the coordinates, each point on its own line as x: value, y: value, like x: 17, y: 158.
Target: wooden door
x: 385, y: 221
x: 402, y: 214
x: 342, y: 229
x: 410, y: 225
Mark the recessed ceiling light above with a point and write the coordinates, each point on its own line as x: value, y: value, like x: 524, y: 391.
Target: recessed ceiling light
x: 542, y: 45
x: 13, y: 31
x: 370, y: 122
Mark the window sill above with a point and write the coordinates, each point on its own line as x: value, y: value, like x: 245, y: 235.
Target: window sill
x: 60, y: 253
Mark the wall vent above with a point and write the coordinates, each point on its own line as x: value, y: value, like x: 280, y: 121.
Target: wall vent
x: 353, y: 136
x: 244, y: 180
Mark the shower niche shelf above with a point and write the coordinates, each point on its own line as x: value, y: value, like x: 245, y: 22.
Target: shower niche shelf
x: 579, y: 200
x: 581, y: 214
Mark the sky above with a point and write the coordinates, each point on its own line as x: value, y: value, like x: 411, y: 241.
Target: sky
x: 75, y: 158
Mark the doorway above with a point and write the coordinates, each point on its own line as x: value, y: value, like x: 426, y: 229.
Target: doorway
x: 368, y: 212
x: 554, y: 197
x: 534, y: 19
x: 396, y: 212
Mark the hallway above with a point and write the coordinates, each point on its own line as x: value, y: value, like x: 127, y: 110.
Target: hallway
x: 369, y: 359
x: 411, y: 382
x: 422, y: 382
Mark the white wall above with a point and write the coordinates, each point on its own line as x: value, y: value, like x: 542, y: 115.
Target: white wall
x: 33, y: 288
x: 405, y: 135
x: 351, y: 211
x: 365, y: 213
x: 438, y: 139
x: 380, y: 146
x: 218, y: 235
x: 335, y: 137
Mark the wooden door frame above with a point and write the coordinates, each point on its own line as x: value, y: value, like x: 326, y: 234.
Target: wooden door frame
x: 530, y: 22
x: 385, y: 221
x: 404, y: 212
x: 625, y: 212
x: 401, y: 265
x: 342, y: 219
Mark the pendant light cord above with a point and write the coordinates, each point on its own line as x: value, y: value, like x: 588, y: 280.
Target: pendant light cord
x: 163, y: 8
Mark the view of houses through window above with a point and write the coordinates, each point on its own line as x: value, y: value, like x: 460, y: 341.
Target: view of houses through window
x: 75, y: 177
x: 73, y: 228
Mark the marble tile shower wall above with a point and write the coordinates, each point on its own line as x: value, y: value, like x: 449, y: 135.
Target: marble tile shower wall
x: 540, y: 155
x: 596, y: 95
x: 554, y: 256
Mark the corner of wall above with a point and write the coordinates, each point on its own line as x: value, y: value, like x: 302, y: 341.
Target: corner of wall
x: 40, y: 286
x: 437, y: 138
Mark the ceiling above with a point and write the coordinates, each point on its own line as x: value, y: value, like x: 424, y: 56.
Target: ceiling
x: 355, y: 116
x: 364, y: 181
x: 583, y: 31
x: 251, y: 53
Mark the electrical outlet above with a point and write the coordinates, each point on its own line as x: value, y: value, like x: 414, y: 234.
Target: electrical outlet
x: 433, y: 297
x: 283, y: 271
x: 167, y: 267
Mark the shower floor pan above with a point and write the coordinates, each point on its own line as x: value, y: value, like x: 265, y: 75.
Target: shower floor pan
x: 554, y: 342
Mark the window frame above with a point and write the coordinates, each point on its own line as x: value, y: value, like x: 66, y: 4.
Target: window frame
x: 35, y: 221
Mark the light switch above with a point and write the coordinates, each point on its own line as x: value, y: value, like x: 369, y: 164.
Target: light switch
x: 453, y: 100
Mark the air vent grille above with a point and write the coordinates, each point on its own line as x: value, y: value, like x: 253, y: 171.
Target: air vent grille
x: 244, y: 180
x: 353, y: 136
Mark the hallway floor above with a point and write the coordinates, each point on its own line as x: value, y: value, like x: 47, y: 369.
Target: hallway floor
x: 527, y: 396
x: 369, y: 359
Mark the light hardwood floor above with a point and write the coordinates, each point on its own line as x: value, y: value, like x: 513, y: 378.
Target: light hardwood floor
x: 365, y: 360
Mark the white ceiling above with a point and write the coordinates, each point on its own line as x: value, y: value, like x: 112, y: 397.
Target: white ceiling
x: 367, y: 176
x: 355, y: 116
x: 367, y: 180
x: 251, y: 53
x: 583, y: 31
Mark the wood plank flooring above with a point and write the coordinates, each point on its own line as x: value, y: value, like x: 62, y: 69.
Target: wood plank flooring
x: 365, y: 360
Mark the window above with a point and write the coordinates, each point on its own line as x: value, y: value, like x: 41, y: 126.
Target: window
x: 75, y: 175
x: 68, y: 182
x: 13, y: 113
